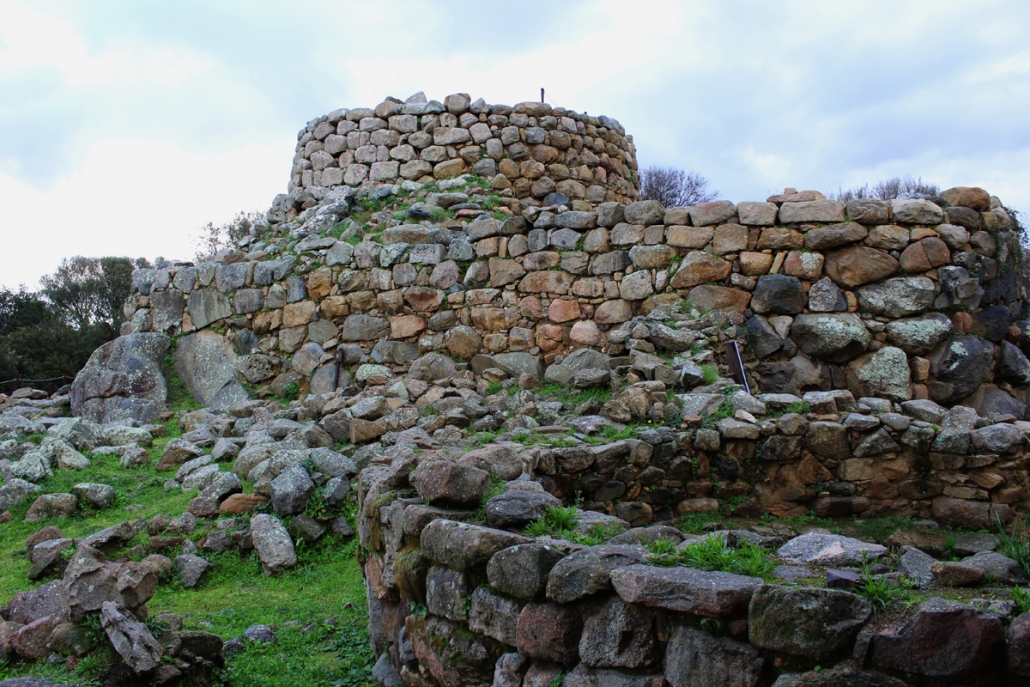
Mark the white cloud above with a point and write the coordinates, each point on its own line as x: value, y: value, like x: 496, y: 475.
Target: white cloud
x: 182, y: 115
x: 33, y: 40
x: 134, y: 197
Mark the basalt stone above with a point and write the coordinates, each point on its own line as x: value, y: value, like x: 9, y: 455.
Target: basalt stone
x: 549, y: 632
x: 516, y: 509
x: 959, y: 368
x: 462, y: 546
x: 273, y: 544
x: 694, y: 658
x: 1019, y: 646
x: 858, y: 265
x: 779, y: 294
x: 619, y: 635
x: 1013, y: 366
x: 919, y: 336
x: 828, y: 550
x: 442, y: 480
x: 824, y: 296
x: 835, y: 338
x: 522, y: 570
x: 453, y: 656
x: 834, y: 236
x: 686, y: 590
x: 901, y: 297
x: 587, y: 572
x: 817, y: 624
x: 943, y: 640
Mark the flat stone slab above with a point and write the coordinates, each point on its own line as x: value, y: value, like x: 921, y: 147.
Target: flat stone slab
x: 463, y: 546
x: 688, y: 590
x: 830, y: 550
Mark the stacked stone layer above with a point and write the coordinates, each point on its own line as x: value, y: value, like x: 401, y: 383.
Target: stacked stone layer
x: 531, y: 148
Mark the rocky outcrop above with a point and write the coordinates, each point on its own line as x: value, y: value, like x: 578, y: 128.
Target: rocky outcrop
x: 123, y: 380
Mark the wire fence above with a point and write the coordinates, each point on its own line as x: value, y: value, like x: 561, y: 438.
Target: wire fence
x: 51, y: 384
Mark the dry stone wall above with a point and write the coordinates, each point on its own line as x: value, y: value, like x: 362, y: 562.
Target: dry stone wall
x: 899, y: 310
x: 460, y: 603
x: 531, y: 148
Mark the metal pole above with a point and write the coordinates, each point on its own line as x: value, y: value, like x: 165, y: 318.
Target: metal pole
x: 339, y: 364
x: 541, y: 95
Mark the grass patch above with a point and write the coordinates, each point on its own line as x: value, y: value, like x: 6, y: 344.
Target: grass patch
x: 711, y: 373
x: 560, y: 522
x: 611, y: 433
x: 1016, y: 545
x: 494, y: 388
x: 799, y: 407
x: 712, y: 553
x: 882, y: 593
x: 1021, y: 597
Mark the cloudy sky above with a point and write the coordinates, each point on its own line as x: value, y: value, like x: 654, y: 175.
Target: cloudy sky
x: 125, y: 126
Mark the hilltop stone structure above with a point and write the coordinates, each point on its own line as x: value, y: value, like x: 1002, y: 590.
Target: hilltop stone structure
x: 439, y: 272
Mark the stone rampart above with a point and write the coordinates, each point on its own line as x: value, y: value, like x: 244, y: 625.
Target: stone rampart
x: 531, y: 148
x: 899, y: 310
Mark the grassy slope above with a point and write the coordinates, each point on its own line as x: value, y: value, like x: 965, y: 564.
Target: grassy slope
x: 318, y: 609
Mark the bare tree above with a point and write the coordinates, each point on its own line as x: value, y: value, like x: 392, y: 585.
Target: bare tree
x: 213, y: 238
x: 889, y: 189
x: 674, y: 187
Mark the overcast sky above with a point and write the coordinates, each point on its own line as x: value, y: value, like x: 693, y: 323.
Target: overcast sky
x: 126, y: 126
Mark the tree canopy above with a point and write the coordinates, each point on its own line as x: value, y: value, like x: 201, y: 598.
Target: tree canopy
x: 52, y: 332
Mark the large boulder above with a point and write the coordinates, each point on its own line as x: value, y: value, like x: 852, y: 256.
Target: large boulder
x: 836, y: 338
x: 959, y: 368
x: 580, y: 359
x: 920, y: 335
x: 883, y: 374
x: 943, y: 640
x: 122, y: 380
x: 130, y: 637
x: 206, y: 362
x: 812, y: 623
x: 779, y: 294
x: 859, y: 265
x: 900, y: 297
x: 694, y: 658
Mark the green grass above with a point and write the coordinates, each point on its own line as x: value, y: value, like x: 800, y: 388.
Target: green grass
x: 1016, y: 545
x: 799, y: 407
x: 711, y: 373
x: 494, y: 388
x: 723, y: 411
x: 560, y: 523
x: 318, y: 610
x: 712, y: 553
x: 325, y: 593
x: 882, y: 593
x: 613, y: 434
x: 1021, y: 597
x: 135, y: 486
x: 556, y: 521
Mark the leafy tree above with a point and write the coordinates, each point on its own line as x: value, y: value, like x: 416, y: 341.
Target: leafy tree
x: 87, y: 291
x: 53, y: 332
x: 889, y: 189
x: 675, y: 187
x: 21, y: 308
